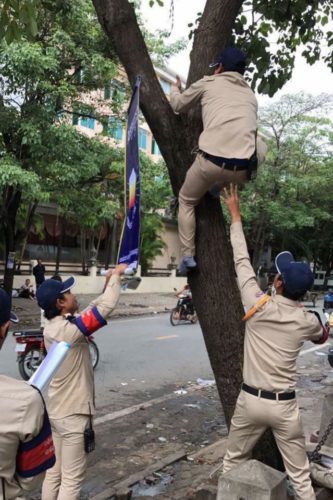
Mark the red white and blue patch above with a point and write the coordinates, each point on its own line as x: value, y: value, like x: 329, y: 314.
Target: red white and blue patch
x: 90, y: 321
x: 36, y: 455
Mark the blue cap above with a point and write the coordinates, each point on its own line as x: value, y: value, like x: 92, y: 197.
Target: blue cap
x: 5, y: 313
x: 51, y: 290
x: 297, y: 277
x: 232, y: 59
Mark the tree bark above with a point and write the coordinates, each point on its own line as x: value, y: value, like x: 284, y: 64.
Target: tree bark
x: 59, y: 246
x: 215, y: 292
x: 12, y: 204
x: 24, y: 237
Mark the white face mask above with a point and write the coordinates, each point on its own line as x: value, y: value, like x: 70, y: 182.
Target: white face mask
x: 273, y: 291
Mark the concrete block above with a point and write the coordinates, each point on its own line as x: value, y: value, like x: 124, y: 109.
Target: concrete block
x: 252, y: 480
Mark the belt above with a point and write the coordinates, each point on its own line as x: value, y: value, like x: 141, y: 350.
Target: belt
x: 227, y: 163
x: 278, y: 396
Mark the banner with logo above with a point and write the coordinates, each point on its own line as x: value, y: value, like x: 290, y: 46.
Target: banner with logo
x: 130, y: 238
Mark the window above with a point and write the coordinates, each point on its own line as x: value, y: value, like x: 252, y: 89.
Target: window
x: 75, y: 119
x: 143, y: 136
x: 166, y: 86
x: 87, y: 121
x: 114, y: 128
x: 155, y: 150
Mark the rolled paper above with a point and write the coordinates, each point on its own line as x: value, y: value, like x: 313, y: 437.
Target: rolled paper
x: 50, y: 365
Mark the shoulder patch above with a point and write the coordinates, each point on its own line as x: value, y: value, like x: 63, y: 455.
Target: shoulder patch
x: 90, y: 321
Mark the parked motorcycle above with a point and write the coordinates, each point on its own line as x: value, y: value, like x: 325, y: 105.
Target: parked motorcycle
x: 31, y: 351
x: 184, y: 311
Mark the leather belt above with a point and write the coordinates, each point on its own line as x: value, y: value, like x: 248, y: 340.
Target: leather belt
x: 229, y: 164
x: 278, y: 396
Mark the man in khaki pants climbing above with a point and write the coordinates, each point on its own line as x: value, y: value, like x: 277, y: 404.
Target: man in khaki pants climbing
x: 276, y: 328
x: 228, y: 149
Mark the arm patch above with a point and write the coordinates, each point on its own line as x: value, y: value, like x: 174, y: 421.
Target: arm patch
x: 325, y: 329
x: 90, y: 321
x: 37, y: 455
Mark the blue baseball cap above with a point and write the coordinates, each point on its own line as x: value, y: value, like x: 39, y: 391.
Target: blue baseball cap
x: 297, y: 277
x: 232, y: 59
x: 5, y: 313
x: 51, y: 290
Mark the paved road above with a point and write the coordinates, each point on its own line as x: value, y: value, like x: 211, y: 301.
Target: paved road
x: 138, y: 355
x: 142, y: 357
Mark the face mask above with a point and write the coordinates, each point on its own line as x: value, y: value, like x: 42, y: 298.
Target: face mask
x: 273, y: 291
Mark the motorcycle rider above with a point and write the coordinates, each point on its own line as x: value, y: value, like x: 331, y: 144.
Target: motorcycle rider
x: 185, y: 296
x: 22, y: 426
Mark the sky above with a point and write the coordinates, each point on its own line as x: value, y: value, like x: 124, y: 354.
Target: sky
x: 310, y: 79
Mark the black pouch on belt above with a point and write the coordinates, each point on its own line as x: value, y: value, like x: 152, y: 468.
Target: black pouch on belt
x: 253, y: 162
x: 89, y: 436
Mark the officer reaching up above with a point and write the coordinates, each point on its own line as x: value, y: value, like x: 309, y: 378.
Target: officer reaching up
x: 276, y: 328
x: 228, y: 145
x: 26, y: 447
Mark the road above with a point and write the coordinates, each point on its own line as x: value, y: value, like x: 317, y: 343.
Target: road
x: 143, y: 357
x: 138, y: 355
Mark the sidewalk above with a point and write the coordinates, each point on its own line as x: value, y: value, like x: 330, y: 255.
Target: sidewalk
x: 128, y: 305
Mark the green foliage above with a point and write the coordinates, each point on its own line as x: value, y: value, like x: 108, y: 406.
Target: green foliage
x: 42, y: 157
x: 151, y: 244
x: 18, y: 16
x: 270, y: 31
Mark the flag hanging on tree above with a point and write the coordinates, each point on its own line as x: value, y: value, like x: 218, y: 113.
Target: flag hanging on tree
x: 130, y: 238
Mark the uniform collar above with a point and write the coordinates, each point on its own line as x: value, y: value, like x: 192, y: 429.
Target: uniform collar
x: 283, y: 300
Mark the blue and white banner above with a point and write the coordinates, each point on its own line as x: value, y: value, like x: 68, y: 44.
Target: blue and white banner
x: 130, y: 238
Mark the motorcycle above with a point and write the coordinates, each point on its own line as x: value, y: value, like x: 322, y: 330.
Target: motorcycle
x: 31, y: 350
x: 184, y: 311
x: 329, y: 320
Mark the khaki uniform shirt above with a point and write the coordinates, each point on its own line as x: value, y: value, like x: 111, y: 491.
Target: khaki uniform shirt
x: 275, y: 334
x: 229, y: 114
x: 71, y: 391
x: 22, y: 414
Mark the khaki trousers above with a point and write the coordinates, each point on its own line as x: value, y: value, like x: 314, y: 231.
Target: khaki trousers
x: 253, y: 415
x: 64, y: 480
x: 201, y: 176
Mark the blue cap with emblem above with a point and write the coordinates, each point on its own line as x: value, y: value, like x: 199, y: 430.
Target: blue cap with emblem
x: 51, y: 290
x: 232, y: 59
x: 5, y: 305
x: 297, y: 277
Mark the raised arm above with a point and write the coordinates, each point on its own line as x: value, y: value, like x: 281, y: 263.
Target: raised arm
x: 250, y: 291
x: 95, y: 315
x: 183, y: 101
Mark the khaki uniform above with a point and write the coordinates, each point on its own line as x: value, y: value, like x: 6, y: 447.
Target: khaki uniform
x: 22, y: 414
x: 229, y: 114
x: 71, y: 400
x: 274, y: 337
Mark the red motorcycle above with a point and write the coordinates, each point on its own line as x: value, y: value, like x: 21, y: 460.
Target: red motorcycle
x: 31, y: 351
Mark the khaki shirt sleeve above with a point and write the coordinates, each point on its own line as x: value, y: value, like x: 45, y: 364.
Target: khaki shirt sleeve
x: 183, y: 101
x: 30, y: 427
x: 107, y: 301
x: 250, y: 291
x: 105, y: 304
x: 315, y: 331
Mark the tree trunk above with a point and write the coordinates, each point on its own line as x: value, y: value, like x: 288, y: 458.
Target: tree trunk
x: 59, y: 246
x: 83, y: 250
x: 113, y: 256
x: 24, y: 237
x: 215, y: 293
x: 99, y: 241
x: 12, y: 204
